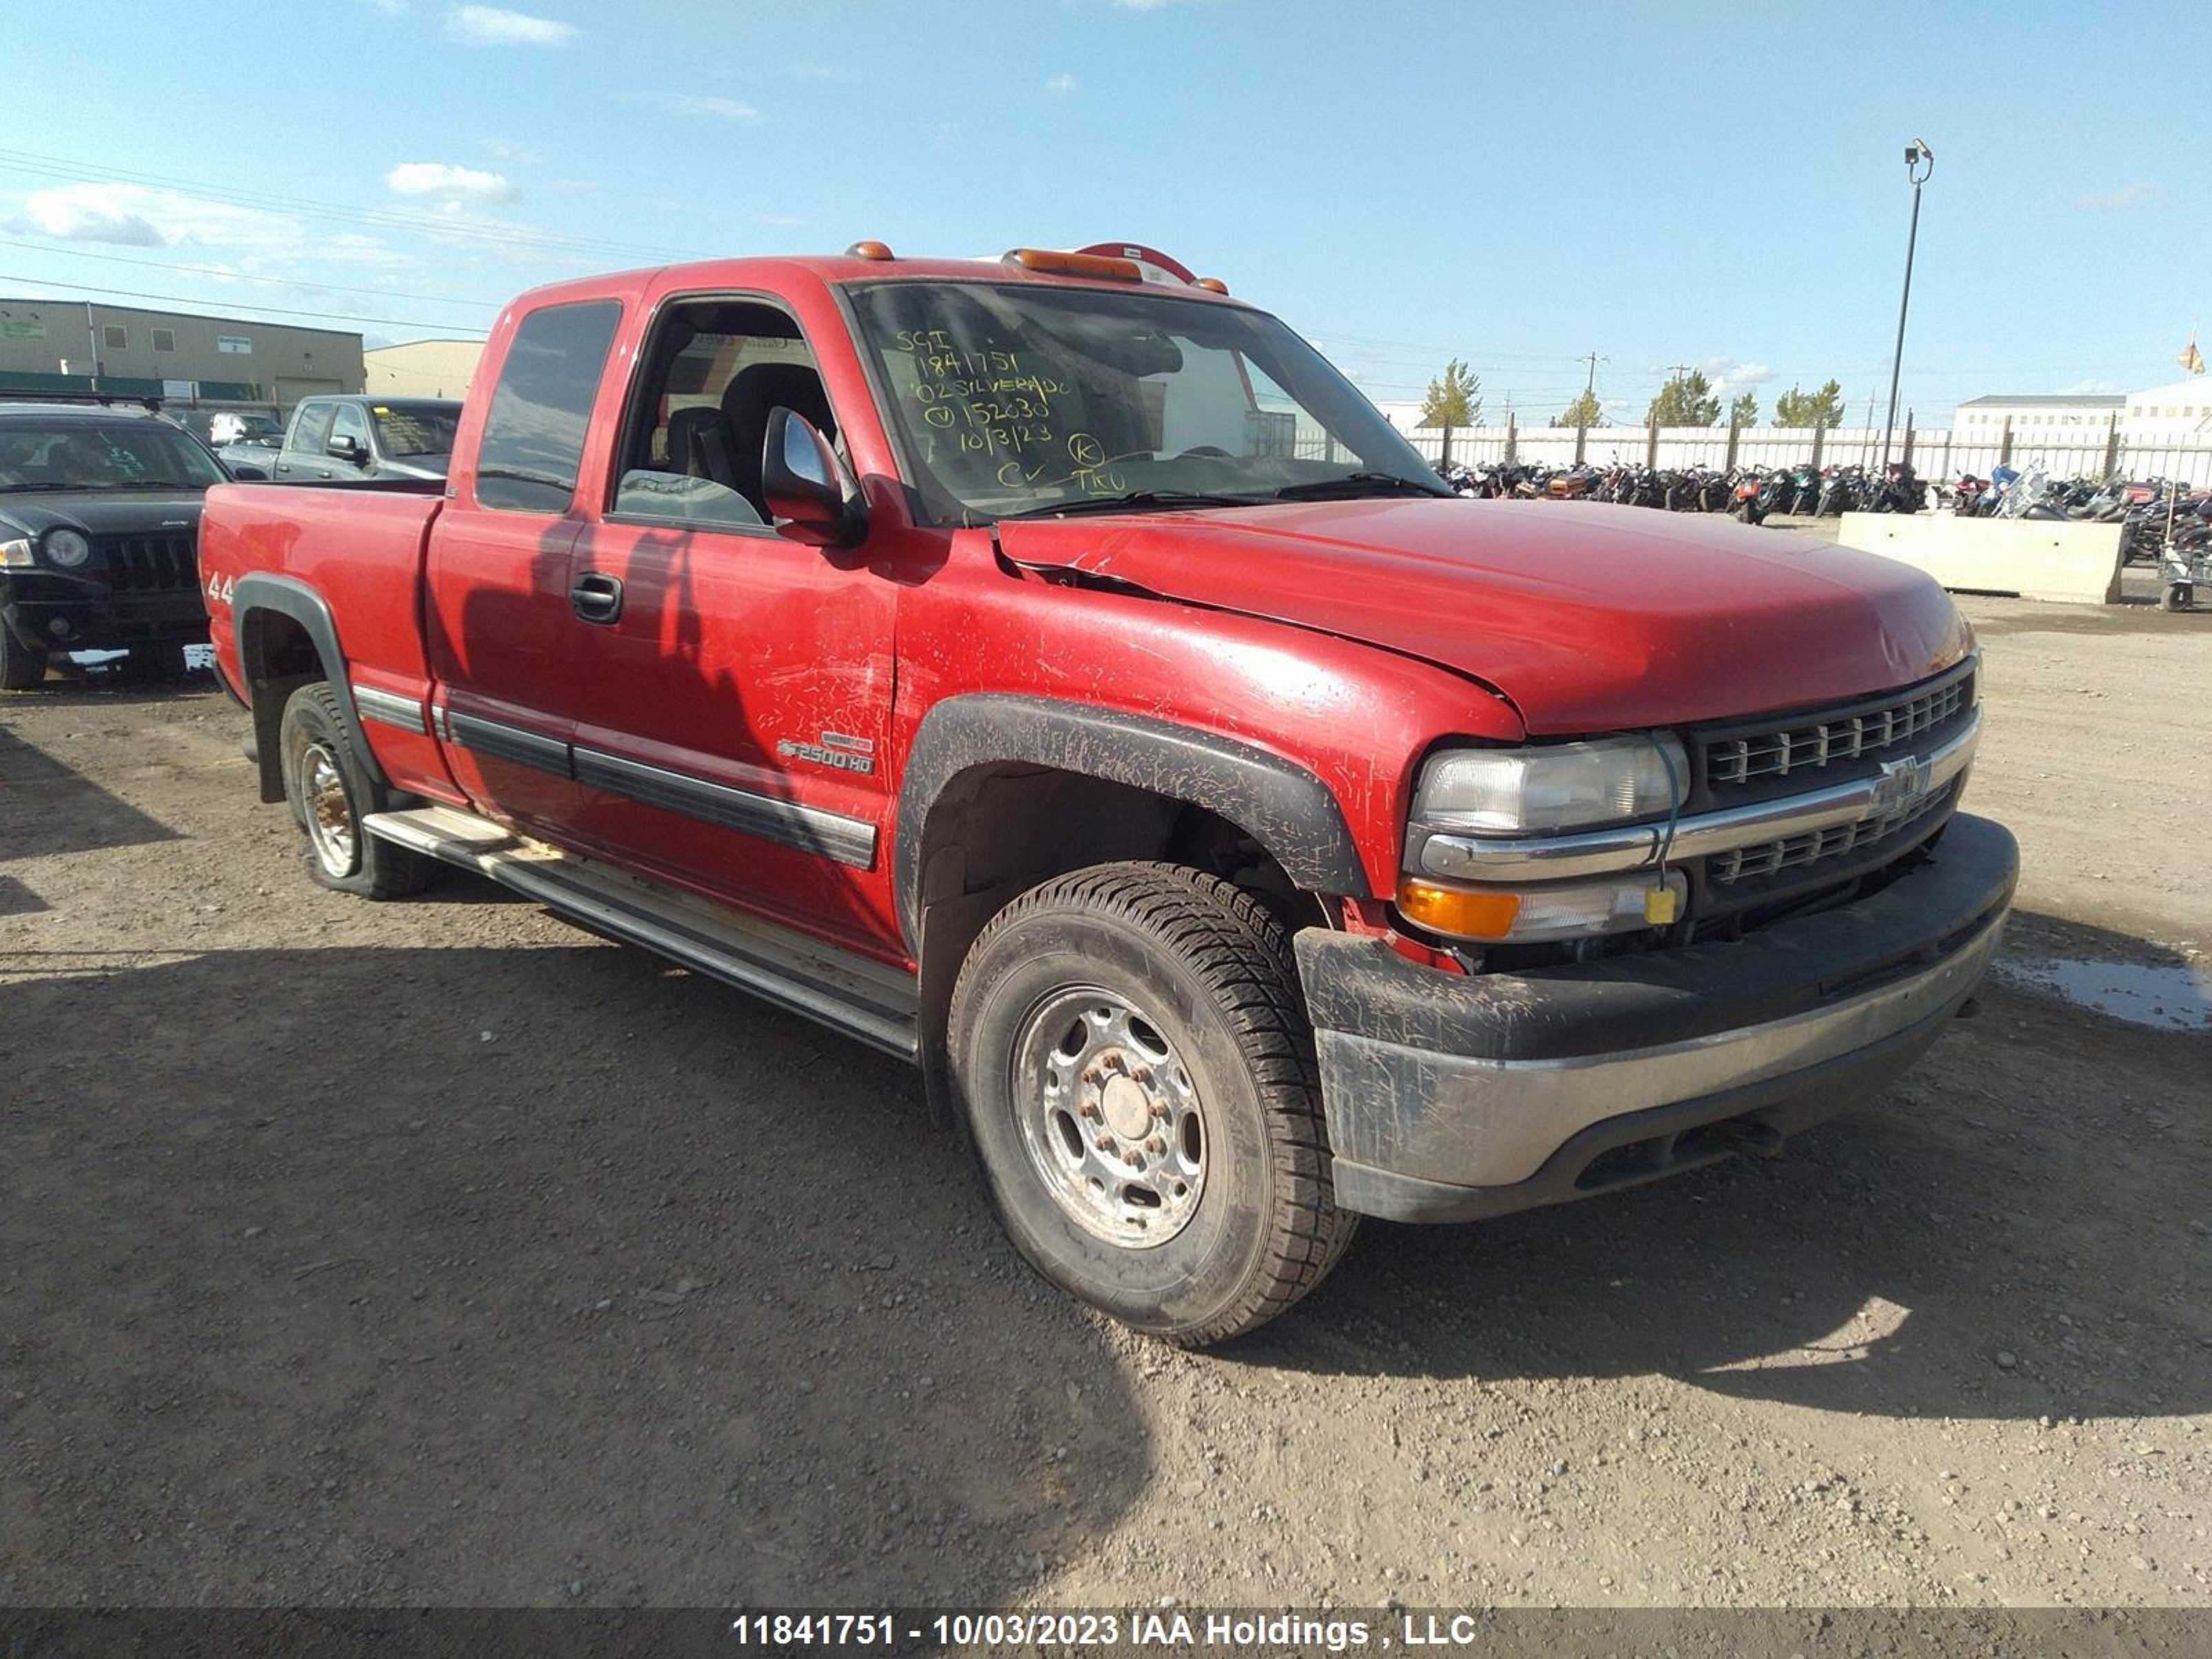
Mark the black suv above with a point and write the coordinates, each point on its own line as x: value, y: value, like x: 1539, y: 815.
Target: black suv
x: 100, y: 517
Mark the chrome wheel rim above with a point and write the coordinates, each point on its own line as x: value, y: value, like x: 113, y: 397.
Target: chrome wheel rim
x: 329, y: 811
x: 1109, y: 1117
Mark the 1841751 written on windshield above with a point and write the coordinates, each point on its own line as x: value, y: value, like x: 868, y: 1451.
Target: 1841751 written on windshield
x: 998, y: 405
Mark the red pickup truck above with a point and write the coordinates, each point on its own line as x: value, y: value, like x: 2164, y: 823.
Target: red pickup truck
x: 1051, y: 671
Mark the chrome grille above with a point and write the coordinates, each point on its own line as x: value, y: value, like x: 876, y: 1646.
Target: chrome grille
x: 1811, y: 846
x: 149, y: 564
x: 1809, y: 745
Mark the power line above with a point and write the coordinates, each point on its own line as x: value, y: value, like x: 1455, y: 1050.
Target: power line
x: 248, y: 277
x: 281, y: 311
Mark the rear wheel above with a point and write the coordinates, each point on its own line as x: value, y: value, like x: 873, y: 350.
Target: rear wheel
x: 1138, y: 1077
x: 330, y: 793
x: 21, y: 666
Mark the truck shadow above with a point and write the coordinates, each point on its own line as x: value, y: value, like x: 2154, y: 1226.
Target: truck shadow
x: 565, y: 1274
x: 46, y: 807
x: 2014, y: 1231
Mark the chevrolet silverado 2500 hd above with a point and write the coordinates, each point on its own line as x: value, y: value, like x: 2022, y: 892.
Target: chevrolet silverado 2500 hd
x: 1052, y: 671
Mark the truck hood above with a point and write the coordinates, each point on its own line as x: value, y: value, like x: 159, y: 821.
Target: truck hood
x: 101, y: 512
x: 1587, y: 618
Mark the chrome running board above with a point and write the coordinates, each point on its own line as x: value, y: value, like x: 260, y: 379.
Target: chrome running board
x: 850, y: 993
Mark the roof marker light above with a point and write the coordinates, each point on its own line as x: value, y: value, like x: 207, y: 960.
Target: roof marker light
x: 1050, y: 262
x: 868, y: 251
x: 1213, y: 285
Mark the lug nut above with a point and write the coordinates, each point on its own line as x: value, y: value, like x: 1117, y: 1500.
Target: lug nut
x: 1160, y: 1110
x: 1156, y: 1145
x: 1105, y: 1143
x: 1087, y: 1109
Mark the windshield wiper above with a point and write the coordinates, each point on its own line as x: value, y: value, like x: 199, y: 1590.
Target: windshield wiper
x: 1358, y: 483
x: 1168, y: 499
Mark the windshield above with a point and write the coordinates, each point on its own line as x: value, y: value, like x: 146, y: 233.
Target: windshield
x: 103, y: 455
x: 1029, y: 398
x: 407, y: 430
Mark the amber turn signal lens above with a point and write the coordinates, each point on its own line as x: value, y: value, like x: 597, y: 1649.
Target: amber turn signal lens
x: 868, y: 251
x: 1213, y: 285
x: 1454, y: 911
x: 1051, y: 262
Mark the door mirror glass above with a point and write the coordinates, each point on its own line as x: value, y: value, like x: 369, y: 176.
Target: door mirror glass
x: 813, y: 496
x: 347, y: 447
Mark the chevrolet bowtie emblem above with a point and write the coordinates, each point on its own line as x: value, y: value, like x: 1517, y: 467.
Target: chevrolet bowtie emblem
x: 1902, y: 785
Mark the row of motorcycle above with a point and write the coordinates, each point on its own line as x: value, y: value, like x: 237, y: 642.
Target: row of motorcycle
x: 2142, y: 507
x: 1750, y: 493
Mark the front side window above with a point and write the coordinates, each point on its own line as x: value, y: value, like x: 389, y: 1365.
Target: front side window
x: 533, y: 438
x: 1031, y: 398
x: 102, y: 455
x: 310, y: 429
x: 714, y: 374
x: 350, y: 422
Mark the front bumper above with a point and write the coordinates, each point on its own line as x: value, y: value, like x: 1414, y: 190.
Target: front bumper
x: 1451, y: 1098
x: 95, y: 617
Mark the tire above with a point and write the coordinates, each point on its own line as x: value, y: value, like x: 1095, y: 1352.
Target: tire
x: 1149, y: 999
x: 330, y: 793
x: 22, y: 667
x: 2177, y: 596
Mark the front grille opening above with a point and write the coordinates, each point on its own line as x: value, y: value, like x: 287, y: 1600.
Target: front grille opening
x: 1810, y: 748
x: 1812, y: 846
x: 1809, y: 744
x: 149, y: 564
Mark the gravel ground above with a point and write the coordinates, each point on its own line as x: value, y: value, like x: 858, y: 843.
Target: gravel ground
x: 437, y: 1252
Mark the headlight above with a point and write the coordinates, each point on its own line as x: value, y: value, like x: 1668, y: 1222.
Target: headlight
x: 1542, y: 790
x: 66, y: 549
x: 14, y: 555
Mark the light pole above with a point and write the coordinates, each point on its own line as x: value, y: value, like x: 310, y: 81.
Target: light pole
x: 1919, y: 164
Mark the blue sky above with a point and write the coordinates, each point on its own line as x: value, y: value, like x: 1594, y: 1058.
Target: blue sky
x: 1714, y: 185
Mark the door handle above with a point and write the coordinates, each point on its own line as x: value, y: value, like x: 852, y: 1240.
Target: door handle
x: 597, y: 598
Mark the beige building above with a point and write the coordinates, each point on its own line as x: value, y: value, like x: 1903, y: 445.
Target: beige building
x: 80, y: 345
x: 422, y: 368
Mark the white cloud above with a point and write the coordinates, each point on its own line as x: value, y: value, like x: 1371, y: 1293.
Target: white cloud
x: 494, y: 26
x: 1061, y: 86
x: 132, y: 215
x: 706, y: 108
x: 1731, y: 376
x: 508, y: 150
x: 2117, y: 201
x: 452, y: 187
x: 2091, y: 387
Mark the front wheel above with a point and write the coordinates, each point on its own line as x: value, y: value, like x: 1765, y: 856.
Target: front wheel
x: 1136, y: 1073
x: 330, y: 793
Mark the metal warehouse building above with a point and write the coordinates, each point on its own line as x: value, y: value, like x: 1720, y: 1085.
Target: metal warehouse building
x: 88, y: 345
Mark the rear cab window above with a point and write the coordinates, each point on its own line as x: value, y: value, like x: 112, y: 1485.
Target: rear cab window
x: 532, y: 447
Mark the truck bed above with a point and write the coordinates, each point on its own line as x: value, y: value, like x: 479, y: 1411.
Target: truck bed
x: 361, y: 551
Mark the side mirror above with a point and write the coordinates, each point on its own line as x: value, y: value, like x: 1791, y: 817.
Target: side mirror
x: 347, y: 447
x: 813, y: 499
x: 244, y: 474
